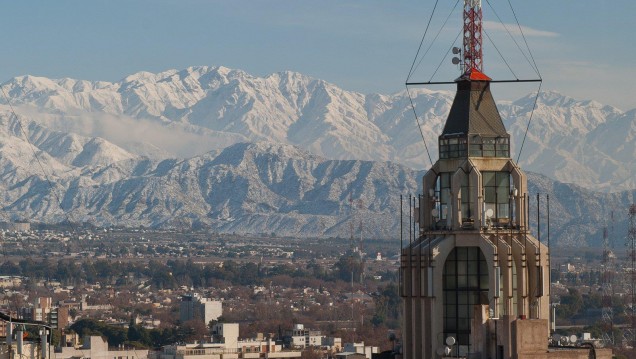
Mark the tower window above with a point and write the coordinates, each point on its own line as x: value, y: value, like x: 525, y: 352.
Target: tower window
x: 465, y: 285
x: 489, y: 146
x: 497, y: 196
x: 466, y: 192
x: 442, y: 193
x: 454, y: 147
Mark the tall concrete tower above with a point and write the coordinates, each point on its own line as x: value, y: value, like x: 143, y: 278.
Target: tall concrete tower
x: 475, y: 281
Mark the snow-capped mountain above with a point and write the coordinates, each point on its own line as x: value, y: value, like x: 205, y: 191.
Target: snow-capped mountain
x: 219, y: 148
x: 189, y: 112
x: 259, y: 187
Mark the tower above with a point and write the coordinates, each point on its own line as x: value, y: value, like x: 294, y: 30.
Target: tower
x: 607, y: 287
x: 629, y: 333
x: 475, y: 281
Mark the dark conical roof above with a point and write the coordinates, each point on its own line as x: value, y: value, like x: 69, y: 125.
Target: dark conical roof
x: 474, y: 111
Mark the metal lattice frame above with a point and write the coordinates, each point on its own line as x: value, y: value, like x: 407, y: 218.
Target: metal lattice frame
x: 473, y: 56
x: 629, y: 334
x: 607, y: 287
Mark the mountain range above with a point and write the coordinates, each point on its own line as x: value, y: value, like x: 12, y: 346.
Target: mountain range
x: 189, y: 112
x: 286, y: 154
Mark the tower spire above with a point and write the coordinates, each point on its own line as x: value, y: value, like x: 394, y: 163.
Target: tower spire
x: 473, y: 56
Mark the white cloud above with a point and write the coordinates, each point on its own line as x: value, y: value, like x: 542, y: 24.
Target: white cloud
x: 514, y: 29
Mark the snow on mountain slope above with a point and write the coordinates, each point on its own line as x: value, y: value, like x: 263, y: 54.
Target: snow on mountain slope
x: 254, y: 188
x: 262, y: 187
x: 192, y: 111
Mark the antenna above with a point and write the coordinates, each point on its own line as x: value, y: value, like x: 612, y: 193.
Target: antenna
x: 473, y: 56
x: 457, y: 59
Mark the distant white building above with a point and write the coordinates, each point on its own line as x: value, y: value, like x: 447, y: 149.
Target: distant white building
x: 227, y: 345
x: 93, y: 347
x: 96, y: 347
x: 193, y: 306
x: 300, y: 337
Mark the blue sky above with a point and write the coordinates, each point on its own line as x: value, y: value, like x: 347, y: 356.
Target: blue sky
x: 583, y: 48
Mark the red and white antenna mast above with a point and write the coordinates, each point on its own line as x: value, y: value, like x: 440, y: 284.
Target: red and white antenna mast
x: 473, y: 56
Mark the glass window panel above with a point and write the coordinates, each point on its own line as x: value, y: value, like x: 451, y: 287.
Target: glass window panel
x: 462, y: 298
x: 461, y: 268
x: 503, y: 179
x: 451, y: 298
x: 465, y: 194
x: 490, y: 206
x: 483, y: 282
x: 450, y: 268
x: 490, y: 194
x: 452, y: 256
x: 451, y: 311
x: 450, y: 282
x: 489, y: 153
x: 445, y: 180
x: 503, y: 194
x: 502, y: 211
x: 459, y: 302
x: 445, y: 196
x: 488, y: 179
x: 465, y: 211
x: 451, y: 324
x: 452, y: 141
x: 475, y: 151
x: 463, y: 312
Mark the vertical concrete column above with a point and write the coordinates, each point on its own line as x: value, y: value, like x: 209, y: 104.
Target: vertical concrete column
x: 407, y: 282
x: 428, y: 183
x: 456, y: 194
x: 43, y: 342
x: 19, y: 342
x: 520, y: 182
x: 476, y: 200
x: 519, y: 255
x: 9, y: 338
x: 418, y: 300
